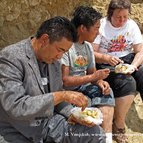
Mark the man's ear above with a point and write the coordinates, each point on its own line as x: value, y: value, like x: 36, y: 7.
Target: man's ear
x: 82, y: 28
x: 44, y: 39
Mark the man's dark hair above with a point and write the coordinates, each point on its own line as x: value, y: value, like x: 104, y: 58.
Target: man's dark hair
x: 85, y: 15
x: 117, y: 4
x: 57, y: 28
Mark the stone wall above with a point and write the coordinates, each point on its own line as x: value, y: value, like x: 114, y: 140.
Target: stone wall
x: 20, y: 18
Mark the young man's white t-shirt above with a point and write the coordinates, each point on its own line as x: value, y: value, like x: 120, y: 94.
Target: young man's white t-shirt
x: 118, y: 41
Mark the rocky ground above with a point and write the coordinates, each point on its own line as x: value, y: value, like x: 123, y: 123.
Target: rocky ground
x: 134, y: 121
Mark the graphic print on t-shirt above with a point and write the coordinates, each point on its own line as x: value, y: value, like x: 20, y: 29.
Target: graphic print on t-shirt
x: 119, y: 43
x: 80, y: 61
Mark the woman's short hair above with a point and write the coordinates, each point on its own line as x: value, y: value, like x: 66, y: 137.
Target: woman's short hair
x: 117, y: 4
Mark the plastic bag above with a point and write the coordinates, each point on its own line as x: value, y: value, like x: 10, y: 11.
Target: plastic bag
x: 89, y: 115
x: 124, y: 68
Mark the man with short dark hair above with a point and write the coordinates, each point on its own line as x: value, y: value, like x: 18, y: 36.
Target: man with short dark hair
x: 33, y: 107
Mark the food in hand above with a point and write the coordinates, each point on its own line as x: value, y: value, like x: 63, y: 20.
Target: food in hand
x: 91, y: 113
x: 121, y: 68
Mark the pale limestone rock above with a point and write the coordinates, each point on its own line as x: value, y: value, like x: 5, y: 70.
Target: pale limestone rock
x: 35, y: 16
x: 14, y: 11
x: 1, y: 21
x: 28, y: 15
x: 34, y: 2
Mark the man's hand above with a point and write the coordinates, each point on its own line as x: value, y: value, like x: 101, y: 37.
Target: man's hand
x: 105, y: 87
x: 73, y: 97
x: 76, y: 98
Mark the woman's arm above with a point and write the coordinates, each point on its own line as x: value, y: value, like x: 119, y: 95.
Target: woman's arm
x: 104, y: 58
x: 138, y: 59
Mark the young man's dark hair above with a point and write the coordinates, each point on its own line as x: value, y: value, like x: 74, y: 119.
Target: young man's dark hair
x: 57, y: 28
x: 86, y: 16
x: 117, y: 4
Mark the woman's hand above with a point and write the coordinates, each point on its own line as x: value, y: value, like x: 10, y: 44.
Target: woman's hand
x: 130, y: 69
x: 113, y: 61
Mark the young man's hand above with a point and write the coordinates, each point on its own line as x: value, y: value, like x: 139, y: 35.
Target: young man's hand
x: 101, y: 74
x: 105, y: 87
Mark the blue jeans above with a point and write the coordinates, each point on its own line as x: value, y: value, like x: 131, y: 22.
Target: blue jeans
x: 95, y: 94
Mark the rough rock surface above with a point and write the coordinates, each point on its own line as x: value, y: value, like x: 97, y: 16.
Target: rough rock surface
x: 20, y: 19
